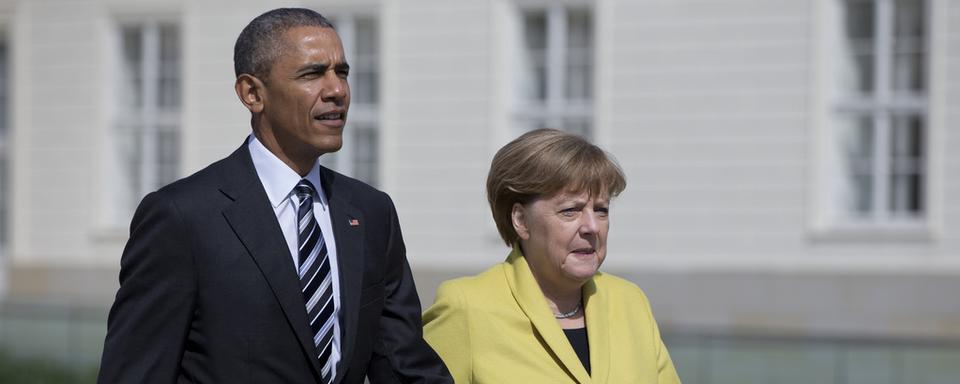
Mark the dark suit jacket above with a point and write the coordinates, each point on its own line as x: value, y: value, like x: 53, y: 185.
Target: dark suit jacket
x: 208, y: 292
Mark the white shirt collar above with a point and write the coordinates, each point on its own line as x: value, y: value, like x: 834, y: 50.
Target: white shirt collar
x: 277, y: 177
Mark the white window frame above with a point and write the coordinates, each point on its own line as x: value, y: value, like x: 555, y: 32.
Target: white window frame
x: 555, y: 108
x: 826, y: 222
x: 361, y: 114
x: 151, y: 117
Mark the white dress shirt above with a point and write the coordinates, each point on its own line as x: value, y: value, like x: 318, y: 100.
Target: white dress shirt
x: 278, y: 181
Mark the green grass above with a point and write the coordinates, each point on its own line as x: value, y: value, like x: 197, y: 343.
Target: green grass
x: 37, y: 371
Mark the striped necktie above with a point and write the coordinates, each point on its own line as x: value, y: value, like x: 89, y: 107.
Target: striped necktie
x: 315, y: 277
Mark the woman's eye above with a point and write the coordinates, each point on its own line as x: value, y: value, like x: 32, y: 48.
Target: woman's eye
x: 569, y: 212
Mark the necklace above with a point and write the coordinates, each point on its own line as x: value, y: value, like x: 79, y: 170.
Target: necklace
x: 567, y: 315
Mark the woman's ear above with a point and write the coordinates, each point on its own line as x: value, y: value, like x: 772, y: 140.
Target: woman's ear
x: 519, y: 219
x: 250, y: 91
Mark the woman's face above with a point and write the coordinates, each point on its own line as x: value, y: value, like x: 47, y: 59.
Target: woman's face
x: 564, y: 236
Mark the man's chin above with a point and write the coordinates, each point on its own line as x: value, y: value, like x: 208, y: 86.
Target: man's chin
x: 328, y: 145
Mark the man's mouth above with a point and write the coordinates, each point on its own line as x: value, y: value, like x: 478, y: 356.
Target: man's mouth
x: 330, y: 116
x: 584, y: 251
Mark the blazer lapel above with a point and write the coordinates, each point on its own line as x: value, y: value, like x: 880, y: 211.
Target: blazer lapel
x: 347, y: 222
x: 598, y: 331
x: 255, y: 223
x: 530, y: 298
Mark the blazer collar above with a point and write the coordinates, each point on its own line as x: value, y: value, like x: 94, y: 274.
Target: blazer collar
x: 597, y: 310
x: 277, y: 177
x: 526, y: 291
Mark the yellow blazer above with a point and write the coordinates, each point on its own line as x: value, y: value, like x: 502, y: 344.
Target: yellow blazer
x: 496, y: 328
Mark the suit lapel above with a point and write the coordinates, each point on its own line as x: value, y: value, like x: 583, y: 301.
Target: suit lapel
x: 255, y: 224
x: 347, y: 222
x: 530, y: 298
x: 598, y: 331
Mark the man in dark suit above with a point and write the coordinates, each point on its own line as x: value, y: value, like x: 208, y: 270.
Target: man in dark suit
x: 266, y: 267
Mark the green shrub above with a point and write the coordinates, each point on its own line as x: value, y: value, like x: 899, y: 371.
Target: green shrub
x: 38, y: 371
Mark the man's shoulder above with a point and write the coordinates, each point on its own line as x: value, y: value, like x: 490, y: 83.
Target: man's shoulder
x: 340, y: 180
x: 210, y: 179
x: 349, y: 188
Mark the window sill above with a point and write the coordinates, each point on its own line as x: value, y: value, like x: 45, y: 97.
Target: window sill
x: 856, y: 232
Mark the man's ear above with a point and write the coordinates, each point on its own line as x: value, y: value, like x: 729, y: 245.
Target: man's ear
x: 250, y: 90
x: 519, y: 219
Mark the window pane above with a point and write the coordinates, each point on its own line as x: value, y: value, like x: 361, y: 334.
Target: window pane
x: 365, y: 153
x: 856, y: 186
x: 527, y: 124
x: 857, y: 66
x: 535, y: 56
x: 364, y: 87
x: 860, y: 19
x: 147, y: 144
x: 169, y: 87
x: 578, y: 126
x: 167, y: 155
x: 567, y: 33
x: 365, y: 82
x: 909, y: 50
x: 129, y: 147
x: 908, y: 72
x: 906, y: 195
x: 535, y: 30
x: 906, y: 166
x: 897, y: 168
x: 579, y: 55
x: 908, y: 15
x: 907, y: 140
x: 131, y: 86
x: 858, y: 142
x: 367, y: 36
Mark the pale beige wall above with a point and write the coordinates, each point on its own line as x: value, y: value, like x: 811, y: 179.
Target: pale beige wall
x: 707, y: 107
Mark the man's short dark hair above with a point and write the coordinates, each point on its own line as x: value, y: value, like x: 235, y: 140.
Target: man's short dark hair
x: 261, y: 42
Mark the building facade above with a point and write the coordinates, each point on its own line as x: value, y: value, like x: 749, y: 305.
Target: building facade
x: 789, y: 162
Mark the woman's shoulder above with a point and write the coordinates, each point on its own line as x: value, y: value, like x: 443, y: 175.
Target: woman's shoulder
x: 480, y: 292
x: 618, y: 287
x: 469, y: 285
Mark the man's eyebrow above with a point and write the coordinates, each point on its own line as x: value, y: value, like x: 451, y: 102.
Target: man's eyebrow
x: 315, y: 67
x: 323, y: 67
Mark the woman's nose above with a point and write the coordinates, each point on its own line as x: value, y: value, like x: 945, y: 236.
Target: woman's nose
x: 588, y: 222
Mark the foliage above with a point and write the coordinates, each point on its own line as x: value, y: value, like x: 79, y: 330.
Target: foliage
x: 38, y: 371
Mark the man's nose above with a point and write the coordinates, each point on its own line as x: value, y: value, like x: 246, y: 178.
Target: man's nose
x: 334, y: 89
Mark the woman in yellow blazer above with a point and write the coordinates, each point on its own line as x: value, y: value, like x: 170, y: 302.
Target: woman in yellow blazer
x: 546, y: 315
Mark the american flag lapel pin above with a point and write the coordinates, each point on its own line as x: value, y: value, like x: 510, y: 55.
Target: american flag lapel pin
x: 354, y: 223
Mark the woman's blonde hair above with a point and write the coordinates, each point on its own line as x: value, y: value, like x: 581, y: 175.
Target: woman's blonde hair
x: 541, y: 163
